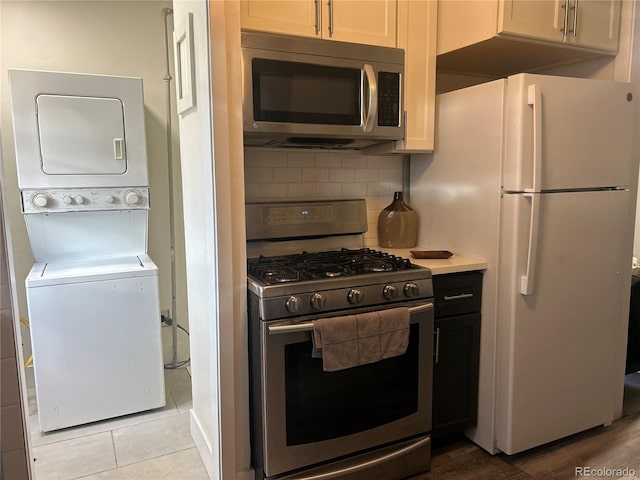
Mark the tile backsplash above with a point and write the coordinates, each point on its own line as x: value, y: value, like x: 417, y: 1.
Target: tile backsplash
x: 295, y: 174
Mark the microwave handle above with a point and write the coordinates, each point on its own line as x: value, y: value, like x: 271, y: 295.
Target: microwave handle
x: 372, y: 107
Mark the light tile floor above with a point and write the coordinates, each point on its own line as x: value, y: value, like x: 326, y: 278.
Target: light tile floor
x: 154, y: 445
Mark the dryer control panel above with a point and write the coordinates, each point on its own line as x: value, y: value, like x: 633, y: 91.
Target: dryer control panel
x: 84, y: 199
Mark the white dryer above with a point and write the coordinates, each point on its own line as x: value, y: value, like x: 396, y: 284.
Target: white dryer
x: 93, y: 293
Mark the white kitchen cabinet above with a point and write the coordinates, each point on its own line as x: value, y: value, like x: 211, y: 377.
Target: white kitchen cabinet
x: 505, y: 36
x: 407, y: 24
x: 595, y: 25
x: 370, y: 22
x: 417, y: 23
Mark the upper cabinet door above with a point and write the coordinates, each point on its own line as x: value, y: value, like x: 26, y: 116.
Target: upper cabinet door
x: 301, y: 17
x: 539, y: 19
x: 594, y: 24
x: 368, y: 22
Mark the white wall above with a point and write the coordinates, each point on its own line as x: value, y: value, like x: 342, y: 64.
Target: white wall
x: 213, y: 179
x: 104, y: 37
x: 196, y: 143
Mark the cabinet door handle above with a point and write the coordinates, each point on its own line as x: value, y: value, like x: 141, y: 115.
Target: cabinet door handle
x: 437, y: 352
x: 575, y: 19
x: 317, y: 3
x: 330, y: 2
x: 462, y: 296
x: 565, y: 24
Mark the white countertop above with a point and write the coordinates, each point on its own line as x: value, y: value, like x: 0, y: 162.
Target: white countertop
x: 454, y: 264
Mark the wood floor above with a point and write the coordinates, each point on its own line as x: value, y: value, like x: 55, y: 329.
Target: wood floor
x: 614, y: 447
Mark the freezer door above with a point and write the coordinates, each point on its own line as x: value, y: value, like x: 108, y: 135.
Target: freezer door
x: 566, y: 133
x: 561, y: 346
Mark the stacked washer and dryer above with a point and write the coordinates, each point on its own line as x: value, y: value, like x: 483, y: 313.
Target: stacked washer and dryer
x: 92, y: 294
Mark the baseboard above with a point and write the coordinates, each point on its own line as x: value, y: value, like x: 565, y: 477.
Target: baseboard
x: 246, y: 475
x: 210, y: 460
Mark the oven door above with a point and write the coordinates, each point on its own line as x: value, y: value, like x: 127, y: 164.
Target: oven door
x: 311, y: 416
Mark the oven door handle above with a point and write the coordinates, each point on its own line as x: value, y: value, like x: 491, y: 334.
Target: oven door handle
x: 308, y: 326
x: 341, y: 472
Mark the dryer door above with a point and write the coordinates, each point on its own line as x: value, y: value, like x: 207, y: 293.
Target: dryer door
x: 81, y: 135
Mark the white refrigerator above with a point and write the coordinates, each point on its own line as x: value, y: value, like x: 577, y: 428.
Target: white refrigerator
x: 538, y: 176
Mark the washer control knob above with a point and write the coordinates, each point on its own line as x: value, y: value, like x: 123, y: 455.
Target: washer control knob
x: 67, y: 199
x: 355, y: 296
x: 79, y: 199
x: 40, y: 200
x: 132, y: 197
x: 390, y: 292
x: 317, y: 301
x: 411, y: 290
x: 109, y: 199
x: 293, y: 304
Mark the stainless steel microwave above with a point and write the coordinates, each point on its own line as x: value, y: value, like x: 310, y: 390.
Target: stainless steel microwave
x: 306, y: 92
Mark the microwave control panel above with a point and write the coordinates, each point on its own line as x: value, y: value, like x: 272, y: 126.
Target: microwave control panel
x: 388, y: 99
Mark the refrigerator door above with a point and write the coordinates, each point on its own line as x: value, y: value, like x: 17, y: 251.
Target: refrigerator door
x: 561, y: 347
x: 567, y: 133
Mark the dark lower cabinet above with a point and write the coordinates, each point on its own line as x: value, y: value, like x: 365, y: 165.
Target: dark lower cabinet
x: 456, y: 352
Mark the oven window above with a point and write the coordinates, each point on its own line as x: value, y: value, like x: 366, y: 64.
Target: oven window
x: 305, y: 93
x: 324, y: 405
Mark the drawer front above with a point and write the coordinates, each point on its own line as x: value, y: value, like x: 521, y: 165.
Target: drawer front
x: 457, y: 293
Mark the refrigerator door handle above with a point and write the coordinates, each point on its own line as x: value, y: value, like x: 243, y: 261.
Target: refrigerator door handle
x: 527, y: 280
x: 534, y: 98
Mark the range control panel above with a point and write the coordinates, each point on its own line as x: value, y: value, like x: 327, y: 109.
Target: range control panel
x: 297, y: 215
x: 84, y: 199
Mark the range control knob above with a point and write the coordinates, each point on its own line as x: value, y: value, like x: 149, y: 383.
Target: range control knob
x: 293, y: 304
x: 132, y: 197
x: 40, y: 200
x: 411, y: 290
x: 317, y: 301
x: 355, y: 296
x: 79, y: 199
x: 390, y: 292
x: 67, y: 199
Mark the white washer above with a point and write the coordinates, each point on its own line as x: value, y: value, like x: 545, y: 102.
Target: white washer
x: 95, y: 339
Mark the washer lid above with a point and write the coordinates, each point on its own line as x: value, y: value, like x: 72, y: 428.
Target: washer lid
x: 90, y: 270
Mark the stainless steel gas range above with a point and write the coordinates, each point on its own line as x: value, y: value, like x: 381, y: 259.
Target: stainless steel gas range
x: 369, y: 421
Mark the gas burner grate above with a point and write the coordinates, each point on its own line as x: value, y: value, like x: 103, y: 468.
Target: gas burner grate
x: 329, y: 264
